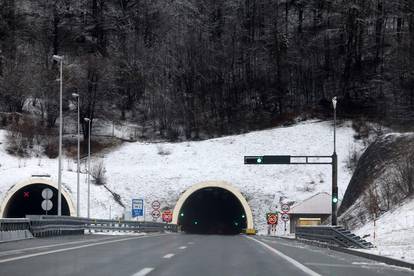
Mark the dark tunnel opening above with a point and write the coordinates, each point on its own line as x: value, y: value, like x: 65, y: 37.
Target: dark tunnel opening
x: 28, y: 201
x: 212, y: 211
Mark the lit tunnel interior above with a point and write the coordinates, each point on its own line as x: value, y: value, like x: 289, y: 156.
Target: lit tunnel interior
x: 212, y: 211
x: 28, y: 201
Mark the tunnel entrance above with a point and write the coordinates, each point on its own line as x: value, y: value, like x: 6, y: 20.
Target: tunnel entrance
x: 28, y: 199
x: 212, y: 210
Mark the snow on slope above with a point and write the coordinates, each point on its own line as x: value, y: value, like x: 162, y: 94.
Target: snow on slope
x: 394, y: 232
x: 138, y: 170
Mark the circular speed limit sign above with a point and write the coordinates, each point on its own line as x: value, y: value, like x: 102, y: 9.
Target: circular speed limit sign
x: 155, y: 205
x: 155, y: 214
x: 285, y: 208
x: 285, y: 217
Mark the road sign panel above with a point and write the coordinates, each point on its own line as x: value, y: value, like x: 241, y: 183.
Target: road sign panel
x: 271, y: 218
x: 47, y: 205
x: 155, y: 214
x: 155, y: 205
x: 267, y: 159
x: 285, y: 208
x: 47, y: 193
x: 167, y: 216
x: 137, y: 208
x: 285, y: 217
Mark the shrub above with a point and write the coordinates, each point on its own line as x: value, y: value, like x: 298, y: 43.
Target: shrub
x: 163, y: 151
x: 52, y: 148
x: 98, y: 173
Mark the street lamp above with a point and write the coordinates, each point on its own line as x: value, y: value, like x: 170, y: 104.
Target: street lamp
x: 75, y: 95
x: 334, y: 171
x: 89, y: 164
x: 334, y: 101
x: 60, y: 60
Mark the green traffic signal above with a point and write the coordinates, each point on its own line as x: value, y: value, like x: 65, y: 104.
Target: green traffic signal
x: 334, y: 199
x: 259, y: 160
x: 195, y: 222
x: 182, y: 214
x: 243, y: 216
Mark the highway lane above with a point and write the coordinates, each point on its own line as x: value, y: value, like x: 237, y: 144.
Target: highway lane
x: 180, y: 254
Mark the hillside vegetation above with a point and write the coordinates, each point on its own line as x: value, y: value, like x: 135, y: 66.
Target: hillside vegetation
x: 384, y: 177
x: 191, y: 69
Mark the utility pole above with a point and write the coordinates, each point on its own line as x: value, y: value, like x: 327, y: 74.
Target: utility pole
x: 60, y: 60
x: 334, y: 171
x: 75, y: 95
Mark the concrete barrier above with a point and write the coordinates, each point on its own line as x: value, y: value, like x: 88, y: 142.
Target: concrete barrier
x: 6, y: 236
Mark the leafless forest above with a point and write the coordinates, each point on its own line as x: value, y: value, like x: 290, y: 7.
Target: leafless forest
x: 196, y: 68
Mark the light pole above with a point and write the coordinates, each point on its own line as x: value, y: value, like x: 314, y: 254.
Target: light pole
x: 89, y: 164
x: 75, y: 95
x: 334, y: 171
x: 60, y: 60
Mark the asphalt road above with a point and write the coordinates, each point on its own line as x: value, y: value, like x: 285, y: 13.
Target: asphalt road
x: 179, y: 254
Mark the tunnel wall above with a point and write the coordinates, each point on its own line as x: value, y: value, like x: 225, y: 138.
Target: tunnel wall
x: 31, y: 181
x: 214, y: 184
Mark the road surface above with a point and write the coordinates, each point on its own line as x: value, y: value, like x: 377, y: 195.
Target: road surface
x: 179, y: 254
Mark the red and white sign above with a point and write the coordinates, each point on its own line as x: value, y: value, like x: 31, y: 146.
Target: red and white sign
x: 285, y: 217
x: 272, y: 219
x: 285, y: 208
x: 167, y: 215
x: 155, y: 214
x: 155, y: 205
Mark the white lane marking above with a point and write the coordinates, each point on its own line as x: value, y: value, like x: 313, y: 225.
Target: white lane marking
x: 143, y: 271
x: 182, y: 247
x: 287, y: 258
x: 168, y: 256
x: 23, y: 250
x: 332, y: 265
x: 72, y: 248
x: 190, y: 242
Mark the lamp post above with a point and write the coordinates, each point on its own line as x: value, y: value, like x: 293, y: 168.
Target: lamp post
x: 334, y: 171
x: 60, y: 60
x: 89, y: 164
x: 75, y: 95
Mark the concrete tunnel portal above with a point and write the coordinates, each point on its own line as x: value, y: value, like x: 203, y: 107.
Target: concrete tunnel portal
x: 213, y: 208
x: 25, y: 198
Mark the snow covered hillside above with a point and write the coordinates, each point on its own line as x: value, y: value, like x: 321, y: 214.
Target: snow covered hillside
x: 164, y: 170
x: 394, y: 232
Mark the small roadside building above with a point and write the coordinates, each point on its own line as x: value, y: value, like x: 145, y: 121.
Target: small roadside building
x: 315, y: 210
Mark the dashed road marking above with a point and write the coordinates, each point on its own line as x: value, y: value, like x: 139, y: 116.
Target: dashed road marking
x: 168, y: 256
x: 143, y: 271
x: 182, y: 247
x: 190, y: 242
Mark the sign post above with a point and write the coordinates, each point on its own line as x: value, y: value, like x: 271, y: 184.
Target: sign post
x: 271, y: 219
x: 167, y: 216
x: 155, y: 212
x: 137, y: 208
x: 47, y: 204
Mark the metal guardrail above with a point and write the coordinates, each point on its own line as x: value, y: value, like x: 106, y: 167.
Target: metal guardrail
x: 14, y: 224
x: 14, y: 229
x: 42, y: 226
x: 334, y: 235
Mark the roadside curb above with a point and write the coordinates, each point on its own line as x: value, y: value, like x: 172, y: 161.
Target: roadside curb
x: 374, y: 257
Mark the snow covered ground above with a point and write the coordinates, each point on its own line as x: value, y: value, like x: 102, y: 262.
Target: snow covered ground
x: 138, y: 170
x: 394, y: 233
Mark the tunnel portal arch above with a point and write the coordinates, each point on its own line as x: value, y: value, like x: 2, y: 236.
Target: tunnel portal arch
x: 214, y: 184
x: 5, y: 201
